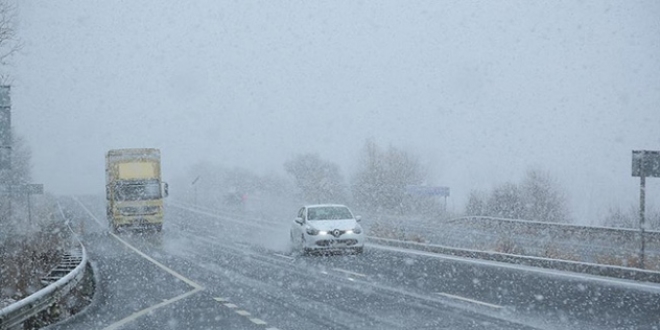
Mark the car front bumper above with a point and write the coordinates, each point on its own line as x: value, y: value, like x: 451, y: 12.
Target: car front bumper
x: 330, y: 242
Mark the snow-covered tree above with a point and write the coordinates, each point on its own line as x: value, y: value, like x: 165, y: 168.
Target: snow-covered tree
x: 507, y: 201
x: 380, y: 183
x: 319, y: 180
x: 476, y: 204
x: 544, y: 199
x: 539, y: 198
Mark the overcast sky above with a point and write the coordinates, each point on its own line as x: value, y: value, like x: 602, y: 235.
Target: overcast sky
x: 479, y: 90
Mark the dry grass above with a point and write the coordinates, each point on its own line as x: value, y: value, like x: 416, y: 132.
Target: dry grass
x: 553, y: 252
x: 630, y: 260
x: 28, y: 255
x: 386, y: 231
x: 507, y: 245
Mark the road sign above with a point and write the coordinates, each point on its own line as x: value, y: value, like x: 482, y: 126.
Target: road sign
x: 32, y: 189
x: 427, y: 190
x: 646, y: 163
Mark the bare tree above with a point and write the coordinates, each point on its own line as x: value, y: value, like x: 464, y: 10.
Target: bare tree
x: 380, y: 184
x: 539, y: 197
x: 506, y: 201
x: 477, y: 205
x: 9, y: 43
x: 319, y: 180
x: 618, y: 218
x: 543, y: 197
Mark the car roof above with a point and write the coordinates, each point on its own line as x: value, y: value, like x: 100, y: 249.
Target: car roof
x: 325, y: 205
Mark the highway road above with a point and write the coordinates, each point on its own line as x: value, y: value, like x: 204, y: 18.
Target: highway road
x: 213, y: 269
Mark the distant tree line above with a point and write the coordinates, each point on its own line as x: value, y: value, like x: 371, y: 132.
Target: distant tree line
x: 629, y: 218
x: 379, y: 183
x: 538, y: 197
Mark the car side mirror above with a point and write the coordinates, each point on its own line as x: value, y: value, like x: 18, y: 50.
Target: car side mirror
x: 299, y: 220
x: 358, y: 218
x: 166, y: 189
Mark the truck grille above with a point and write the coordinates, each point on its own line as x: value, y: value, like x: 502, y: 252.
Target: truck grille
x: 139, y: 210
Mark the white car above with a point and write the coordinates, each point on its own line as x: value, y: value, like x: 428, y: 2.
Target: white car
x: 326, y: 227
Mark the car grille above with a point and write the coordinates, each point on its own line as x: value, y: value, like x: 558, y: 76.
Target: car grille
x: 328, y: 242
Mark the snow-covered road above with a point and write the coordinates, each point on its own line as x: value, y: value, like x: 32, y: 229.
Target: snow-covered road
x: 232, y: 270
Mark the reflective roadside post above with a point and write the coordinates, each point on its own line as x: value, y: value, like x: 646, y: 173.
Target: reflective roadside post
x: 644, y: 163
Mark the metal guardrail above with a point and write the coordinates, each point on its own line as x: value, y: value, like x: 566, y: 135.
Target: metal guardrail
x: 556, y: 264
x: 26, y: 308
x: 19, y: 312
x: 591, y: 244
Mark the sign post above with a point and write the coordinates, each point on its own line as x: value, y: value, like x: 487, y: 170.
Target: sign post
x: 28, y: 189
x: 644, y: 163
x: 429, y: 191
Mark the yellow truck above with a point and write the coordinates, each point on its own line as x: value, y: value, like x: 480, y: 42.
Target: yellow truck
x: 134, y: 189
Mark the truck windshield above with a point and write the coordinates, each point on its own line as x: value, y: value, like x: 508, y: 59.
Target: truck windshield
x: 137, y: 191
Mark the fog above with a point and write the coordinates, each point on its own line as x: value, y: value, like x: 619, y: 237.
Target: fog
x: 480, y: 91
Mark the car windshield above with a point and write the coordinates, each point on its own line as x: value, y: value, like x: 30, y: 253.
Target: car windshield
x: 329, y: 213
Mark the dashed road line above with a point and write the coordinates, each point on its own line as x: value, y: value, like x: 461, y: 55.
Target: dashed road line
x: 243, y: 312
x: 283, y: 256
x: 349, y: 272
x: 469, y: 300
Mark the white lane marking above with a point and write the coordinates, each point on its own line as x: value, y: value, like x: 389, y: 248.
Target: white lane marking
x: 469, y: 300
x: 230, y: 305
x: 140, y: 253
x: 324, y: 272
x: 272, y: 329
x: 545, y: 271
x: 219, y: 299
x: 349, y: 272
x: 243, y: 312
x: 283, y: 256
x: 88, y: 212
x: 134, y: 316
x: 163, y: 267
x: 257, y: 321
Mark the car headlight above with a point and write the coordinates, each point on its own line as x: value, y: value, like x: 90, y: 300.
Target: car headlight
x: 357, y: 230
x: 312, y: 231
